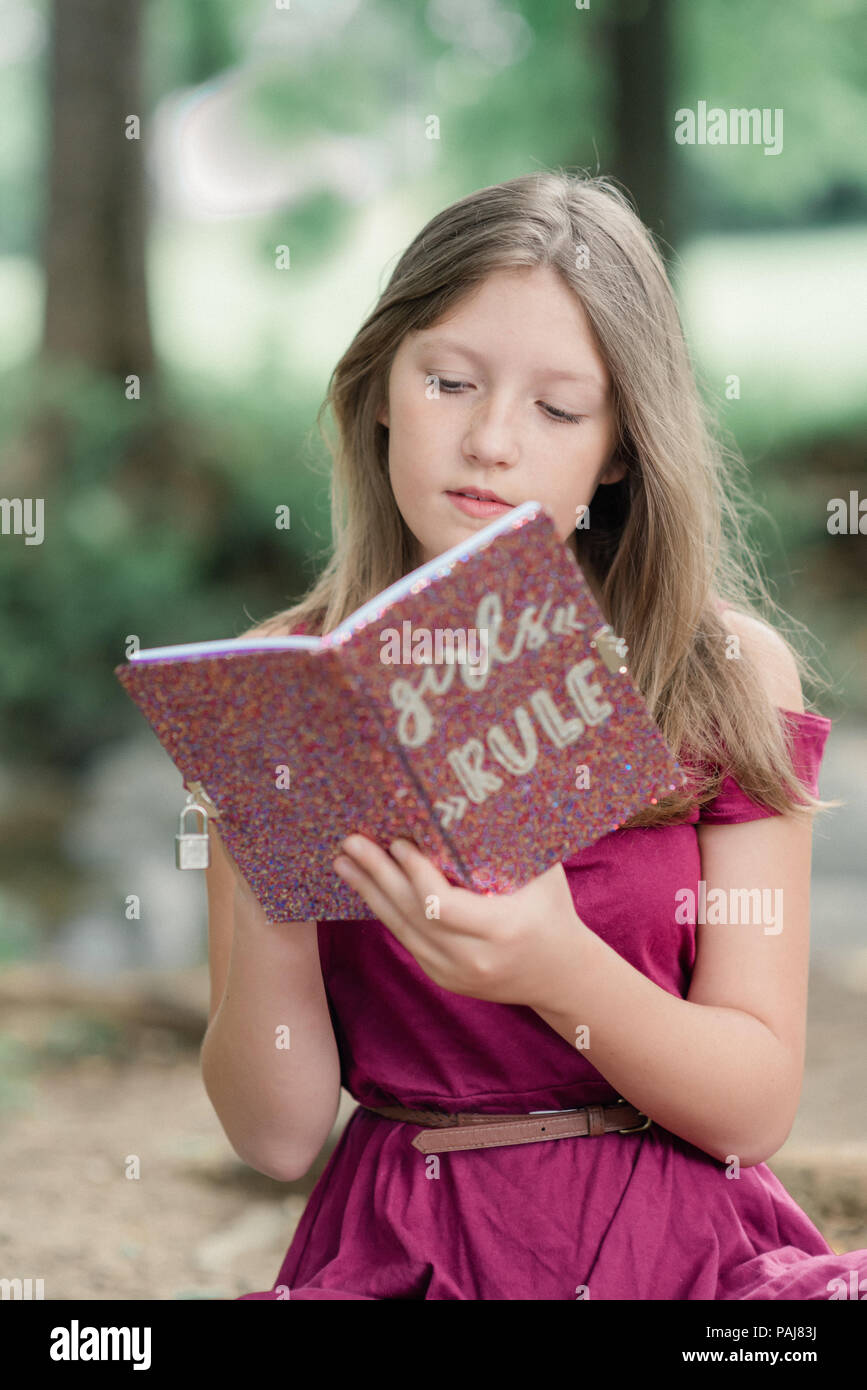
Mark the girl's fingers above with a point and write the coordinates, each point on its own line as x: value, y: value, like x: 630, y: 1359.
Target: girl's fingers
x: 424, y: 876
x: 378, y: 902
x: 399, y: 896
x: 468, y: 915
x: 377, y: 865
x: 381, y: 882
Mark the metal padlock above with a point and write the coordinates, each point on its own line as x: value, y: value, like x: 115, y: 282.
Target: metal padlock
x: 192, y: 849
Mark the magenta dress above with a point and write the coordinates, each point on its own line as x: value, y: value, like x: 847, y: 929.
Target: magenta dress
x: 641, y: 1216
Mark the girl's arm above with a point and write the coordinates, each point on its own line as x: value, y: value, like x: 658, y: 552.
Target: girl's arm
x: 722, y: 1068
x: 276, y: 1104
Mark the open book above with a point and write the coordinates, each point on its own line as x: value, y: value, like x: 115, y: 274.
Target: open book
x: 480, y: 706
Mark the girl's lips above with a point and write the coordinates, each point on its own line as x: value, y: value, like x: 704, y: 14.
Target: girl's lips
x: 474, y: 506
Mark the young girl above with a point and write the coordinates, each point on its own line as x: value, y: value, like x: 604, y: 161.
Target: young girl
x: 646, y: 1057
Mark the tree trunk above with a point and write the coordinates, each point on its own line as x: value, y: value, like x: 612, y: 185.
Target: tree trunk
x: 96, y: 300
x: 640, y: 47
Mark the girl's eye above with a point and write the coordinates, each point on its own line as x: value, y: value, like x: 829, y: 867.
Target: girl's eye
x: 450, y: 387
x: 562, y: 415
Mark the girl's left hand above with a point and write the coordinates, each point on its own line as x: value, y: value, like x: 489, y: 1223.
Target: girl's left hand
x: 509, y: 948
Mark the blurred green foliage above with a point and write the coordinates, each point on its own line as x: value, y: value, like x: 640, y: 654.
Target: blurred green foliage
x: 160, y: 524
x: 804, y: 56
x: 17, y: 1065
x: 18, y: 938
x: 69, y: 1037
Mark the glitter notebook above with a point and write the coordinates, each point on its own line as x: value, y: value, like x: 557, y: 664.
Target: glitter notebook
x: 480, y: 706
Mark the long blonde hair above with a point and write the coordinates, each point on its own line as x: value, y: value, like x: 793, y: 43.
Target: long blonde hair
x: 665, y: 545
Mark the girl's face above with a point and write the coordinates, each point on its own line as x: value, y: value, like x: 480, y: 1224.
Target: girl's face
x: 512, y: 360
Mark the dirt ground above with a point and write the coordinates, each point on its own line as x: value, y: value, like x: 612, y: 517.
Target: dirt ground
x: 82, y: 1097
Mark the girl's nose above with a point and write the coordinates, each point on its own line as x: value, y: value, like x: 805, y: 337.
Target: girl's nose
x: 491, y: 436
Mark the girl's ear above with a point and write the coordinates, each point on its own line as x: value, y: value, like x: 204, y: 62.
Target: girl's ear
x: 382, y: 416
x: 614, y: 472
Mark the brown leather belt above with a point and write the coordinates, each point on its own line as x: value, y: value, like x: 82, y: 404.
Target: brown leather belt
x: 469, y: 1130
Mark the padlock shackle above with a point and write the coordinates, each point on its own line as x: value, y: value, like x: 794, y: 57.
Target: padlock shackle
x: 196, y: 810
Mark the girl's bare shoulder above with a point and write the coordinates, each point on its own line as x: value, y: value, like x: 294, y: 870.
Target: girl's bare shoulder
x: 771, y: 656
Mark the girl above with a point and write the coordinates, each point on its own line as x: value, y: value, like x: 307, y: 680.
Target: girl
x: 528, y: 345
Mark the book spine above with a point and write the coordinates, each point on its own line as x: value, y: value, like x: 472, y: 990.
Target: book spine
x: 448, y: 849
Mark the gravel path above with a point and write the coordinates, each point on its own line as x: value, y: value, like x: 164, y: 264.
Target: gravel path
x: 198, y: 1223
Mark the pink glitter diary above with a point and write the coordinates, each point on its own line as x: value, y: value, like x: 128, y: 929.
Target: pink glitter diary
x: 480, y: 707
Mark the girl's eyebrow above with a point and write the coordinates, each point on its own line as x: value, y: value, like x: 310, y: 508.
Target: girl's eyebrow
x: 551, y: 373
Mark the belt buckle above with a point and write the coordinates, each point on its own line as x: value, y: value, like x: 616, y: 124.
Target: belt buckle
x: 635, y: 1129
